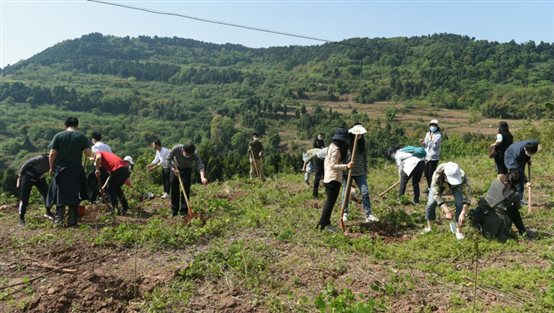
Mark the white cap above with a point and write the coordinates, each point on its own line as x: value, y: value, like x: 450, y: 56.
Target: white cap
x: 129, y: 159
x: 436, y: 122
x: 453, y: 173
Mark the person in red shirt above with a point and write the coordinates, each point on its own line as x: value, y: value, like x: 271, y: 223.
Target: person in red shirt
x: 119, y: 175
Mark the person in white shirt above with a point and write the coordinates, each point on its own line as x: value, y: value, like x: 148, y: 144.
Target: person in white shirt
x: 98, y: 145
x: 409, y: 167
x: 161, y: 160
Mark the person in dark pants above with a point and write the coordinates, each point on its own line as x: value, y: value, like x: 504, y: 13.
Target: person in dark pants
x: 502, y: 195
x: 516, y: 156
x: 68, y: 183
x: 30, y: 175
x: 180, y: 160
x: 317, y: 157
x: 503, y: 140
x: 409, y: 167
x: 255, y: 156
x: 318, y: 163
x: 119, y: 175
x: 319, y: 170
x: 432, y: 144
x: 333, y: 176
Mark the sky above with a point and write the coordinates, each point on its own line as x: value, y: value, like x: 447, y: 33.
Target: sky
x: 28, y: 27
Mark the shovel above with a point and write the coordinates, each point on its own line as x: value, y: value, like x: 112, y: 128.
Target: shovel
x: 255, y: 165
x: 529, y: 198
x: 357, y: 130
x: 190, y: 213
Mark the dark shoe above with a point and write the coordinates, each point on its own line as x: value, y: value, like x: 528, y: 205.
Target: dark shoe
x: 21, y: 222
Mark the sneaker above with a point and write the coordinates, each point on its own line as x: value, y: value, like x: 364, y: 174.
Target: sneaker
x: 371, y: 218
x: 331, y: 229
x: 344, y: 217
x: 21, y: 222
x: 459, y: 235
x: 426, y: 230
x: 453, y: 227
x: 49, y: 215
x: 164, y: 195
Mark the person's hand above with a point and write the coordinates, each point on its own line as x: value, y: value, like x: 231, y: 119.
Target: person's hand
x: 176, y: 171
x: 461, y: 219
x: 51, y: 172
x: 446, y: 212
x: 260, y: 154
x: 529, y: 162
x: 97, y: 173
x: 528, y: 184
x: 349, y: 165
x: 204, y: 180
x: 422, y: 141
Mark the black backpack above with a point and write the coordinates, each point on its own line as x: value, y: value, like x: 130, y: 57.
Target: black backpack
x: 491, y: 222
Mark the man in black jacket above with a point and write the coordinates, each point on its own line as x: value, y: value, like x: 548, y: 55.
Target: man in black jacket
x: 30, y: 175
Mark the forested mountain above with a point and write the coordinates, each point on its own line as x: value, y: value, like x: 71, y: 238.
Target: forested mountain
x: 138, y: 89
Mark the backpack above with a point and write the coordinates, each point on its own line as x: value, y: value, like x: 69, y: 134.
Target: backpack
x: 415, y: 151
x: 491, y: 222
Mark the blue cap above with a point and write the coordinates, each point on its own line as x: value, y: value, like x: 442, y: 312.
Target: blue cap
x: 341, y: 134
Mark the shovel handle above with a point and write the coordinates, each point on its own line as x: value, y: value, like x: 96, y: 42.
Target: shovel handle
x: 348, y: 186
x: 389, y: 189
x: 182, y: 187
x: 529, y: 192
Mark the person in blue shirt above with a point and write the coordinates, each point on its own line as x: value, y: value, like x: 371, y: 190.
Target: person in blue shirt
x: 516, y: 156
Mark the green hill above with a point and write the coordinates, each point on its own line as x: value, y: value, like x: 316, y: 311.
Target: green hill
x: 137, y: 89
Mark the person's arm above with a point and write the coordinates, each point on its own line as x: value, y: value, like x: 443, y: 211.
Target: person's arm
x: 88, y: 152
x: 399, y: 163
x: 435, y: 187
x: 155, y: 163
x: 334, y: 155
x: 52, y: 160
x: 97, y: 164
x: 201, y: 168
x: 437, y: 140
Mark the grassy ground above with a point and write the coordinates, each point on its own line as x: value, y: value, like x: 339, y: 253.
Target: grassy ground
x: 256, y: 248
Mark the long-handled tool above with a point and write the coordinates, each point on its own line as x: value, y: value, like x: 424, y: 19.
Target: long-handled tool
x: 357, y: 130
x: 254, y: 162
x: 389, y: 189
x: 190, y: 213
x: 529, y: 198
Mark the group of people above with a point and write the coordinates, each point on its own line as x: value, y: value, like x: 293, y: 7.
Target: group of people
x: 414, y: 162
x: 70, y: 185
x: 330, y: 164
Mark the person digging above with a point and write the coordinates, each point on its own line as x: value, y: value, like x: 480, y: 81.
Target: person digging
x: 181, y: 159
x: 31, y: 174
x: 448, y: 174
x: 255, y: 156
x: 119, y: 175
